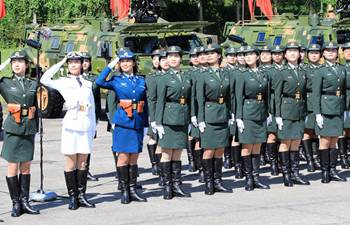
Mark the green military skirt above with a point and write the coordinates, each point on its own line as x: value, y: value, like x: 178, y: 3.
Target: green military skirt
x: 215, y: 136
x: 310, y: 121
x: 233, y: 129
x: 255, y: 132
x: 175, y: 137
x: 272, y: 127
x: 292, y: 129
x: 17, y: 148
x: 347, y: 123
x: 152, y: 135
x: 332, y: 126
x: 194, y: 131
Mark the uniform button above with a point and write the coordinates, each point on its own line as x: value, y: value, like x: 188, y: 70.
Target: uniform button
x: 134, y: 99
x: 133, y: 91
x: 24, y: 95
x: 260, y: 85
x: 221, y: 85
x: 298, y: 83
x: 24, y: 105
x: 183, y: 88
x: 338, y: 79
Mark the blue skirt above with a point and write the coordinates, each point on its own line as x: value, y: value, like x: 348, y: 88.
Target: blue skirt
x: 126, y: 140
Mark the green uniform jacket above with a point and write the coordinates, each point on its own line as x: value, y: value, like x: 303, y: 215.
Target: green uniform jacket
x: 347, y: 69
x: 151, y: 82
x: 194, y: 73
x: 326, y: 83
x: 210, y: 87
x: 12, y: 91
x: 231, y: 72
x: 96, y: 92
x: 272, y: 72
x: 170, y: 90
x: 249, y: 87
x: 288, y: 83
x: 310, y: 70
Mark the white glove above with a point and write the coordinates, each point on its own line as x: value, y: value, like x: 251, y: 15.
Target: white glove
x: 114, y: 62
x: 201, y: 127
x: 346, y: 113
x: 279, y: 122
x: 4, y: 64
x: 269, y: 120
x: 240, y: 125
x: 194, y: 121
x: 154, y: 127
x: 160, y: 130
x: 233, y: 117
x: 319, y: 120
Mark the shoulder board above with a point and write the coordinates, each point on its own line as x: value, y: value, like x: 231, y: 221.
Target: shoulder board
x: 5, y: 78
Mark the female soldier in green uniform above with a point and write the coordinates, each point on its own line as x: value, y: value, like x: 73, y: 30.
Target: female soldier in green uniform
x: 172, y: 119
x: 343, y: 140
x: 151, y: 100
x: 251, y: 114
x: 20, y: 127
x: 271, y: 143
x: 214, y: 110
x: 313, y: 55
x: 290, y: 92
x: 88, y: 75
x: 328, y: 88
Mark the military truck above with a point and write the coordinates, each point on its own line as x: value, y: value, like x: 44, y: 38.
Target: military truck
x: 102, y: 37
x: 305, y: 29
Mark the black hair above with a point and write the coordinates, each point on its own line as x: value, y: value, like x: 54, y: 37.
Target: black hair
x: 90, y: 66
x: 134, y: 69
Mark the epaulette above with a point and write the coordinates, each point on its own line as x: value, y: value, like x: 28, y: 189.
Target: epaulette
x: 3, y: 78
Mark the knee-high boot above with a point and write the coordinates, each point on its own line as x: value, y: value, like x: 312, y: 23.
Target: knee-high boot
x: 208, y: 176
x: 343, y: 153
x: 236, y: 150
x: 309, y: 155
x: 324, y: 160
x: 285, y: 161
x: 123, y: 175
x: 294, y: 162
x: 168, y: 185
x: 199, y: 157
x: 24, y: 183
x: 263, y: 155
x: 81, y: 181
x: 218, y: 184
x: 256, y: 166
x: 72, y: 188
x: 176, y: 180
x: 14, y: 189
x: 315, y: 147
x: 151, y: 154
x: 248, y: 170
x: 273, y: 152
x: 89, y: 175
x: 190, y: 155
x: 134, y: 195
x: 227, y: 157
x: 333, y: 157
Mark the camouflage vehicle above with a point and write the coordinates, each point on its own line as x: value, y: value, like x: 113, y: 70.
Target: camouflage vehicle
x: 102, y: 37
x: 305, y: 29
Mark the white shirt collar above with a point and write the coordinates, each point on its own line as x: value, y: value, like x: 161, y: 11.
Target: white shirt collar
x: 292, y: 66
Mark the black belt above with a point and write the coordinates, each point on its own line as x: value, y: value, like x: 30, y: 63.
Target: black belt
x: 220, y: 101
x: 180, y: 101
x: 257, y: 97
x: 336, y: 93
x: 296, y: 96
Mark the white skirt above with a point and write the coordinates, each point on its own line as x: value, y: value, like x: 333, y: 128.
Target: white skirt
x: 76, y: 142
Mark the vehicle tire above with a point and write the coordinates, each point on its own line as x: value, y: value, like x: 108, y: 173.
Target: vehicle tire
x: 52, y: 102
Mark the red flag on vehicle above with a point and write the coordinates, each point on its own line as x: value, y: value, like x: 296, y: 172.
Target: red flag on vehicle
x: 2, y: 9
x: 265, y: 7
x: 120, y: 8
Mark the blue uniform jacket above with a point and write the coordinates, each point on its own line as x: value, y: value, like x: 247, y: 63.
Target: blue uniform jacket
x: 125, y: 88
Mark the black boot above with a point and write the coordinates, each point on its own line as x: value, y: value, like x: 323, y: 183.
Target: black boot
x: 272, y: 149
x: 14, y: 189
x: 218, y: 184
x: 294, y: 162
x: 152, y: 158
x: 309, y: 155
x: 161, y: 178
x: 262, y: 155
x: 342, y: 146
x: 324, y: 159
x: 256, y: 166
x: 134, y: 195
x: 168, y: 187
x: 333, y: 174
x: 190, y: 155
x: 81, y: 180
x: 248, y: 170
x: 302, y: 154
x: 208, y: 176
x: 236, y: 150
x: 176, y: 180
x: 24, y: 183
x: 123, y: 175
x: 89, y: 175
x: 198, y: 153
x: 227, y: 158
x: 315, y: 144
x: 115, y: 158
x: 72, y: 188
x: 285, y: 162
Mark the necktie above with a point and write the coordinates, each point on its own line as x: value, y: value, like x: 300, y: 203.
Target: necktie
x: 179, y: 76
x: 21, y: 82
x: 79, y: 81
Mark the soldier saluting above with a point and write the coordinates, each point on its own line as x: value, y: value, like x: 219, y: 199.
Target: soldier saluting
x: 20, y: 127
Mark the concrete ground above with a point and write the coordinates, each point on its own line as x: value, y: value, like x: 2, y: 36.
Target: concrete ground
x: 317, y: 204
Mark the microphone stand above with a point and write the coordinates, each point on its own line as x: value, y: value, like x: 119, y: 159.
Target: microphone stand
x: 40, y: 195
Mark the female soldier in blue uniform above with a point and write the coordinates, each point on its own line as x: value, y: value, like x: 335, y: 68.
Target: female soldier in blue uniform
x: 20, y: 127
x: 214, y: 113
x: 290, y: 103
x: 313, y: 55
x: 130, y: 119
x: 172, y: 119
x: 328, y: 88
x: 251, y: 114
